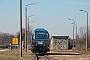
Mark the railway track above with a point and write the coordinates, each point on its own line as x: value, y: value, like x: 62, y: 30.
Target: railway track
x: 42, y: 57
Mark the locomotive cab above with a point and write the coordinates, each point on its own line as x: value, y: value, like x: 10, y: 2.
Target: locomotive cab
x: 40, y: 40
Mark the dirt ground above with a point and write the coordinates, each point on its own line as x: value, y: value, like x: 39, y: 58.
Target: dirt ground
x: 71, y: 57
x: 66, y: 56
x: 80, y: 56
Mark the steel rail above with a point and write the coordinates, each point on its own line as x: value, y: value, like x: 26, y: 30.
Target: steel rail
x: 43, y: 57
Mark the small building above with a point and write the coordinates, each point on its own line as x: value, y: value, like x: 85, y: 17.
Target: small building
x: 59, y: 43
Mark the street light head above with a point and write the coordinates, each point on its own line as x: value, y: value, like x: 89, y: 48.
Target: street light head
x: 34, y: 3
x: 33, y: 15
x: 80, y: 10
x: 30, y: 4
x: 83, y: 11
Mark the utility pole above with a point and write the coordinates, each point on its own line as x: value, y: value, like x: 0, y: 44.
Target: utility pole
x: 20, y: 28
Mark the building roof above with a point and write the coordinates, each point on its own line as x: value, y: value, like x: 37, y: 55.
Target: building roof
x: 60, y: 37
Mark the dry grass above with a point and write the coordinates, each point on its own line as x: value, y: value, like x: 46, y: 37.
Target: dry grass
x: 28, y: 56
x: 15, y: 55
x: 10, y: 55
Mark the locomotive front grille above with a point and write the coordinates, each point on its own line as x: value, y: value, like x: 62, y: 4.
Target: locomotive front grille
x: 41, y: 42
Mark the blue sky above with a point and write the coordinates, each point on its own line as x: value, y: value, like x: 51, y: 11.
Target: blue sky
x: 50, y: 14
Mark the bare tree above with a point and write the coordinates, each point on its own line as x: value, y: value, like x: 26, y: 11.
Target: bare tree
x: 81, y: 42
x: 82, y: 33
x: 5, y: 39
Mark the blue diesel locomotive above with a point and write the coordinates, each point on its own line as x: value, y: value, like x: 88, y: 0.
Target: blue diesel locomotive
x: 40, y: 41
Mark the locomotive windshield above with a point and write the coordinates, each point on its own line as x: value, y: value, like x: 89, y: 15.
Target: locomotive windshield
x: 45, y: 34
x: 40, y: 33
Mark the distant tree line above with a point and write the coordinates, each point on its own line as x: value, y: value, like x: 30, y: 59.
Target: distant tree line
x: 81, y: 40
x: 5, y: 39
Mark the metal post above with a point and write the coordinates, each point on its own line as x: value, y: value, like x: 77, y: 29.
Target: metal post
x: 20, y: 28
x: 86, y: 31
x: 76, y: 36
x: 28, y: 31
x: 28, y: 34
x: 87, y: 34
x: 73, y: 35
x: 26, y: 25
x: 26, y: 28
x: 73, y: 30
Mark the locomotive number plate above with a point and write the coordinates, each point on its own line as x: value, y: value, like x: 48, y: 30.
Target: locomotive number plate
x: 40, y: 42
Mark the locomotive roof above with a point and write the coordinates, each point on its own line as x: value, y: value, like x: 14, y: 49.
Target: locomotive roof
x: 40, y: 29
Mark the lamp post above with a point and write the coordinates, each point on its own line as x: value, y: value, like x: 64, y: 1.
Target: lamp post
x: 86, y: 31
x: 28, y: 40
x: 20, y: 28
x: 73, y: 30
x: 26, y: 24
x: 28, y: 28
x: 76, y: 35
x: 28, y: 33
